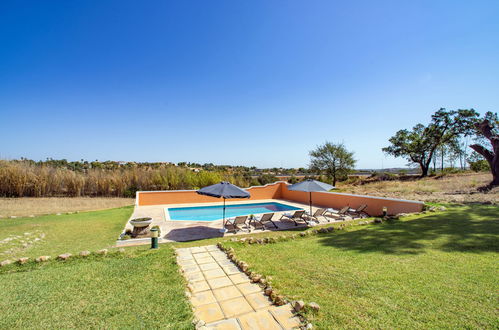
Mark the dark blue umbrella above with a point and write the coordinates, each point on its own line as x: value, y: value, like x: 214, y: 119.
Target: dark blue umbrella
x: 310, y: 186
x: 225, y: 190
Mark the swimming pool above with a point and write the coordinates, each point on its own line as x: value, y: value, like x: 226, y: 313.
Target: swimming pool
x: 212, y: 213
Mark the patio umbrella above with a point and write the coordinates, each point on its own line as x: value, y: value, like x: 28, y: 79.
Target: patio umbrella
x: 225, y: 190
x: 310, y: 186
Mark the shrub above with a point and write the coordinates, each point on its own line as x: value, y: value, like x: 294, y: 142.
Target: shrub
x: 480, y: 166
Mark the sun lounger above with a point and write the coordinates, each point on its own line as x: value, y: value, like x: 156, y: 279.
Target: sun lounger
x: 261, y: 221
x: 296, y: 216
x: 236, y: 223
x: 337, y: 214
x: 359, y: 212
x: 318, y: 213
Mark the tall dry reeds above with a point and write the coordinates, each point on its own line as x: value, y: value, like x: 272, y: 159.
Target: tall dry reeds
x: 23, y: 179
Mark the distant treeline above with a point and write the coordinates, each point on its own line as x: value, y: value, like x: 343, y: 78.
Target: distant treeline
x: 27, y: 178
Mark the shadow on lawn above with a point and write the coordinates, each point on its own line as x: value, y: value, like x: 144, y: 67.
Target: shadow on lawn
x: 464, y: 229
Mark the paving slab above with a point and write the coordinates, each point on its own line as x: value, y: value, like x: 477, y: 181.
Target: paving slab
x: 198, y: 249
x: 214, y: 273
x: 225, y: 298
x: 199, y: 286
x: 235, y: 306
x: 219, y: 282
x: 248, y: 288
x: 191, y: 269
x: 209, y: 312
x: 231, y: 270
x: 209, y: 266
x: 184, y: 263
x: 258, y: 301
x: 194, y: 277
x: 284, y: 315
x: 258, y: 320
x: 226, y: 293
x: 206, y: 260
x: 203, y: 298
x: 239, y: 278
x: 229, y: 324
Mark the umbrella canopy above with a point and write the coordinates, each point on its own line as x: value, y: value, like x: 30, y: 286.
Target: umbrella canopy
x: 310, y: 186
x: 224, y: 190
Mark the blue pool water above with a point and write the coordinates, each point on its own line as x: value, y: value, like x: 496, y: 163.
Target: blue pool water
x: 211, y: 213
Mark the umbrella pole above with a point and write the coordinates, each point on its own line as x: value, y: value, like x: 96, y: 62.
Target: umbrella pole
x: 223, y: 222
x: 310, y: 199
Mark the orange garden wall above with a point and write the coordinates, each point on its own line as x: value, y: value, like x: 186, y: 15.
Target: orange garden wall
x: 271, y: 191
x: 279, y: 190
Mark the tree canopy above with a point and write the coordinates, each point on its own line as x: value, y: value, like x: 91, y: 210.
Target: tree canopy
x: 334, y: 160
x: 419, y: 144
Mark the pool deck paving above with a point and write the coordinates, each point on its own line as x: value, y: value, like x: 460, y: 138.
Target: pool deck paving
x: 225, y: 298
x: 181, y: 231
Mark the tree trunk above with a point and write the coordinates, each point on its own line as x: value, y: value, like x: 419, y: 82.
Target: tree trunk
x: 424, y: 169
x: 492, y: 157
x: 442, y: 164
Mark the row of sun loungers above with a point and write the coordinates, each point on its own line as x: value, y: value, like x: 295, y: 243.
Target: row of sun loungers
x: 259, y: 222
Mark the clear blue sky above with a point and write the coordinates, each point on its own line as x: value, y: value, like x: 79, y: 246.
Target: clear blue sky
x: 236, y: 82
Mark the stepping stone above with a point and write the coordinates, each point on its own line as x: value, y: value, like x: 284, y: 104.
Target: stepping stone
x: 230, y: 324
x: 202, y: 298
x: 209, y: 312
x: 239, y: 278
x: 199, y: 286
x: 226, y: 293
x: 206, y: 260
x: 214, y: 273
x: 219, y: 282
x: 258, y: 301
x: 210, y: 266
x: 284, y: 315
x: 258, y: 320
x: 236, y: 306
x: 248, y: 288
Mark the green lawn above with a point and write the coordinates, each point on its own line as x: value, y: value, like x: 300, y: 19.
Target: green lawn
x: 56, y: 234
x: 433, y: 271
x: 142, y: 289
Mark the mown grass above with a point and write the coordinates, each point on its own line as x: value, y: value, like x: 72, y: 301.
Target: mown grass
x: 56, y: 234
x: 140, y: 289
x: 434, y: 271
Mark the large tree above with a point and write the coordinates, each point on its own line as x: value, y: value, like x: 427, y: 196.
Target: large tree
x: 488, y: 129
x: 419, y: 144
x: 334, y: 160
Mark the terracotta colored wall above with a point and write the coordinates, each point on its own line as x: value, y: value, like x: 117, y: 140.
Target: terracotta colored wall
x: 271, y: 191
x: 338, y: 200
x: 279, y: 190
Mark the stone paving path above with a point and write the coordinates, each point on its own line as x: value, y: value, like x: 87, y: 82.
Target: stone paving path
x: 225, y: 298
